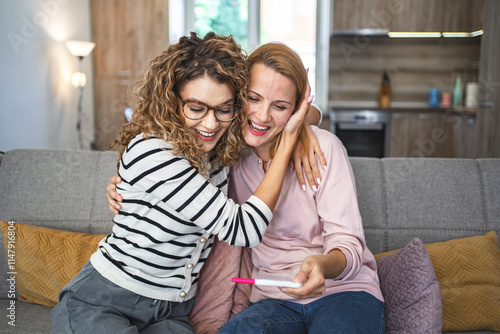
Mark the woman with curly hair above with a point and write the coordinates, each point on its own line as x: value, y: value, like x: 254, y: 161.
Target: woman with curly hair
x: 174, y: 155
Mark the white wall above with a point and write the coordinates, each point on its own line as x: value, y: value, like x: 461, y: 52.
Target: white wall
x: 38, y: 103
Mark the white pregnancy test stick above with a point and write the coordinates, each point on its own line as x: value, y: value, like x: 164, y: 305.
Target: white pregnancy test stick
x: 267, y: 282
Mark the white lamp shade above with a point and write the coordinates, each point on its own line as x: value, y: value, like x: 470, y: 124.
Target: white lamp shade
x: 79, y: 79
x: 80, y: 48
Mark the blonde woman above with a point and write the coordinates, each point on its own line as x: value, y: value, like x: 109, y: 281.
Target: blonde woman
x: 316, y: 236
x: 173, y: 161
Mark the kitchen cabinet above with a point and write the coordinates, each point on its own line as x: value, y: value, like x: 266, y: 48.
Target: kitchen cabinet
x: 447, y: 15
x: 463, y: 140
x: 461, y: 15
x: 442, y: 133
x: 399, y: 143
x: 346, y: 14
x: 389, y: 14
x: 417, y: 134
x: 408, y: 15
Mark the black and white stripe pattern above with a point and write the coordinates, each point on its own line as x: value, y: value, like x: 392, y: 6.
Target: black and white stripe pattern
x: 170, y: 212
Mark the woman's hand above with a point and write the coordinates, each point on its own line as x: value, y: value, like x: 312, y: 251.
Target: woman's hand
x: 314, y: 271
x: 112, y: 196
x: 305, y: 162
x: 294, y: 124
x: 312, y: 276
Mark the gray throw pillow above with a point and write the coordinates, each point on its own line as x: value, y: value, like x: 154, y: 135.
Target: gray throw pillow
x: 411, y: 290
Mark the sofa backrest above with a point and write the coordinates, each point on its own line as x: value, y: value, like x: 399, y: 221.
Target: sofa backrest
x: 399, y: 198
x: 58, y: 189
x: 431, y: 198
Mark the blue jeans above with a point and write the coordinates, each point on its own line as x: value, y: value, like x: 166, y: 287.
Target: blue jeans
x: 344, y: 312
x: 92, y: 304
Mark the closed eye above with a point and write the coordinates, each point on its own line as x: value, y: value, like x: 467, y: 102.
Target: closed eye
x: 196, y: 109
x: 225, y: 108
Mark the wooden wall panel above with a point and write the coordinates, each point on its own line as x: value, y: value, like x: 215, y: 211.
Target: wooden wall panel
x: 128, y: 34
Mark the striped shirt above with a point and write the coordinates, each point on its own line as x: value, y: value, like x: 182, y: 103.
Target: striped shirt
x: 170, y: 212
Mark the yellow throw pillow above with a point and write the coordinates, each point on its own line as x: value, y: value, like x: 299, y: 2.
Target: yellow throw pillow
x: 45, y: 259
x: 468, y: 272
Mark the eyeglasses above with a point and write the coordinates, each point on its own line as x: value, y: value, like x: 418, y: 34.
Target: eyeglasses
x: 224, y: 112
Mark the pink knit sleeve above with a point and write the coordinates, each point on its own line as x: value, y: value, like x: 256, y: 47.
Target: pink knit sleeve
x: 338, y: 208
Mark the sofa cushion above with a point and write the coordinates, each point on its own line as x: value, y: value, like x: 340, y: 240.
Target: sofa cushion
x: 45, y: 260
x: 411, y: 290
x: 468, y: 272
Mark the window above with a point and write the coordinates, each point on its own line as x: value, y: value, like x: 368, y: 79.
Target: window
x: 294, y: 23
x: 226, y: 17
x: 301, y: 24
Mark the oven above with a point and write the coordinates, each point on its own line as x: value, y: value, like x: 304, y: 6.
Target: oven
x: 364, y: 133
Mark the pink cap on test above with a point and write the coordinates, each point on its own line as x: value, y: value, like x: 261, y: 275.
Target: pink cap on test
x: 243, y: 280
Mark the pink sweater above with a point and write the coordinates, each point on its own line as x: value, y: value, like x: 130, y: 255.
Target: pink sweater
x: 310, y: 223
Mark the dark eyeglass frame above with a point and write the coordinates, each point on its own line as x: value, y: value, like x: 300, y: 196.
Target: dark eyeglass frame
x: 236, y: 108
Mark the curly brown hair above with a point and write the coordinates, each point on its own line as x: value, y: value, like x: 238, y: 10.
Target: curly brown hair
x: 157, y: 107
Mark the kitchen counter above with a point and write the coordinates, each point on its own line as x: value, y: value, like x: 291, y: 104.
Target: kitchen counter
x: 403, y: 130
x: 397, y: 107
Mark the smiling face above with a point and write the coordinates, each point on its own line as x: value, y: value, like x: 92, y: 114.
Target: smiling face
x: 271, y: 102
x: 208, y: 129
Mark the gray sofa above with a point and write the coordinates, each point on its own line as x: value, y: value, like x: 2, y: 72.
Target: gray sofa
x: 399, y: 198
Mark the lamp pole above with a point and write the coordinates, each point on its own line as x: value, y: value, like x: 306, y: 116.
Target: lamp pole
x: 80, y: 100
x: 79, y: 49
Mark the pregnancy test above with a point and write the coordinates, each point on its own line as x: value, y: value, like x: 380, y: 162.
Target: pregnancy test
x: 267, y: 282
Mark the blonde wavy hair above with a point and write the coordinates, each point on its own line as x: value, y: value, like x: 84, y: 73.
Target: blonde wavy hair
x: 157, y: 102
x: 287, y: 62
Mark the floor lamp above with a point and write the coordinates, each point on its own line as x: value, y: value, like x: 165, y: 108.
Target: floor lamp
x: 79, y: 49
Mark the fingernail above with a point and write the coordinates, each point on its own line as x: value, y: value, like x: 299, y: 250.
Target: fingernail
x: 314, y: 188
x: 304, y: 187
x: 318, y: 180
x: 324, y: 167
x: 310, y: 99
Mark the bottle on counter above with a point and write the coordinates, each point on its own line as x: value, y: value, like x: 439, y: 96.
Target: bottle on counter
x: 471, y: 95
x: 434, y: 98
x: 384, y: 99
x: 457, y: 93
x: 446, y: 100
